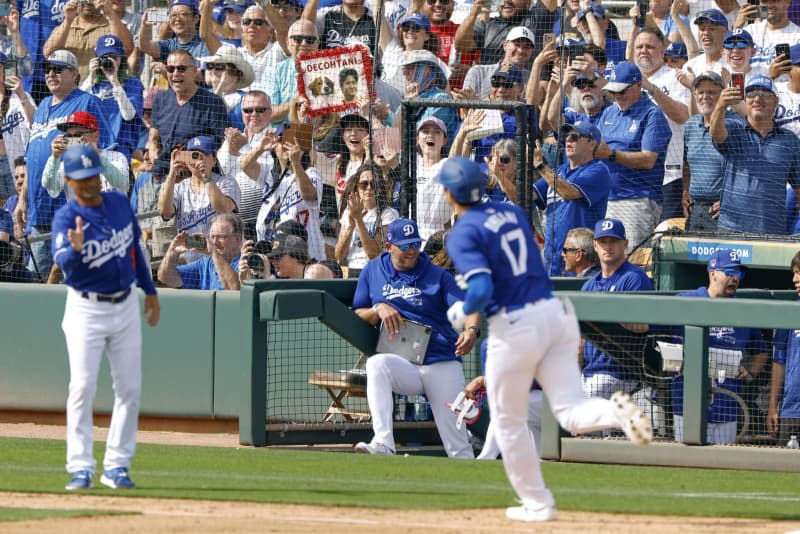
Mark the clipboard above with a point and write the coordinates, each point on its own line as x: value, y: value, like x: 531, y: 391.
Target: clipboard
x: 411, y: 342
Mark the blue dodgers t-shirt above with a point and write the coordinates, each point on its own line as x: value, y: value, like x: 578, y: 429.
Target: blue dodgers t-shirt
x: 422, y: 294
x: 496, y: 238
x: 202, y: 274
x: 628, y: 277
x: 593, y: 181
x: 642, y: 127
x: 787, y: 353
x: 754, y: 182
x: 750, y: 341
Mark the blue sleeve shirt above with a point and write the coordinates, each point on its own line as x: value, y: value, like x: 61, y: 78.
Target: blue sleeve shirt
x: 422, y: 294
x: 593, y: 181
x: 787, y: 353
x: 706, y: 164
x: 111, y: 259
x: 204, y: 114
x: 754, y: 184
x: 202, y: 274
x: 642, y: 127
x: 628, y: 277
x: 496, y: 238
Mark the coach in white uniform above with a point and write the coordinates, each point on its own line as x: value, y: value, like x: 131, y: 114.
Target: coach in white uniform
x: 96, y: 244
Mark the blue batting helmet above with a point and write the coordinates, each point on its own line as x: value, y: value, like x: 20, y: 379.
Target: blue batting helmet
x: 463, y: 178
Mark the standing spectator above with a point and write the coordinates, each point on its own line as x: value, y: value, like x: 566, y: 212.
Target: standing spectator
x: 519, y: 51
x: 738, y: 50
x: 295, y: 193
x: 675, y: 55
x: 364, y: 219
x: 413, y: 33
x: 227, y: 74
x: 488, y: 35
x: 347, y: 24
x: 580, y: 258
x: 666, y: 92
x: 81, y: 128
x: 62, y: 78
x: 706, y: 165
x: 281, y: 15
x: 352, y: 150
x: 19, y: 187
x: 280, y: 83
x: 760, y: 159
x: 218, y: 270
x: 775, y: 29
x: 433, y: 214
x: 246, y: 156
x: 635, y: 134
x: 783, y: 417
x: 196, y: 199
x: 183, y: 19
x: 84, y: 23
x: 712, y: 28
x: 101, y: 315
x: 402, y: 284
x: 439, y: 12
x: 728, y: 8
x: 602, y: 376
x: 502, y: 171
x: 594, y: 25
x: 120, y: 94
x: 37, y: 22
x: 576, y: 195
x: 725, y: 272
x: 16, y: 113
x: 185, y: 110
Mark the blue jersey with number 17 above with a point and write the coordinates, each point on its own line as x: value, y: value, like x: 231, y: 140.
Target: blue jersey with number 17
x: 495, y: 238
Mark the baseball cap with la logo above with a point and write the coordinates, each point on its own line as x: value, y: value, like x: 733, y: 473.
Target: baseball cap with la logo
x: 402, y: 232
x: 81, y: 162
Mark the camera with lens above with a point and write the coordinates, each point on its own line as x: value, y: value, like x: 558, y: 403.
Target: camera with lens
x: 255, y: 260
x: 12, y: 266
x: 107, y: 64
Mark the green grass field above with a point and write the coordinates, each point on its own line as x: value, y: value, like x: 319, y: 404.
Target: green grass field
x: 326, y: 478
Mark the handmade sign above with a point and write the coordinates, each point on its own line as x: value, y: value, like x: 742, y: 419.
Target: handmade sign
x: 333, y: 79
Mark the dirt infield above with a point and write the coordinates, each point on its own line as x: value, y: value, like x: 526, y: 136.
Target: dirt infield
x: 195, y: 516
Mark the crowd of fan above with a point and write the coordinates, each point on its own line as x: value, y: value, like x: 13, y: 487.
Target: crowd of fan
x: 189, y: 106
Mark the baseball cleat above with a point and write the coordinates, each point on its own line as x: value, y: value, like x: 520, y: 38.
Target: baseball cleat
x: 523, y: 513
x: 372, y: 448
x: 117, y: 478
x: 636, y: 426
x: 81, y: 480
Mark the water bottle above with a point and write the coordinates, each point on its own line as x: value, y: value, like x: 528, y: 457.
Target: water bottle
x: 399, y: 407
x: 421, y: 409
x: 793, y: 444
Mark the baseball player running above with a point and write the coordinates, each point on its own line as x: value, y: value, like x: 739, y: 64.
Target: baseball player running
x: 531, y: 334
x: 96, y: 244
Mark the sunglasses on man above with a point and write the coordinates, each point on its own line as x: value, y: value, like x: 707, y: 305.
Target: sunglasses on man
x: 257, y: 22
x: 299, y: 39
x: 502, y: 82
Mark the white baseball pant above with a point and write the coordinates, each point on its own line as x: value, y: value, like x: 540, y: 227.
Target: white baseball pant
x: 91, y: 327
x: 440, y: 382
x: 541, y: 341
x: 715, y: 432
x: 491, y: 450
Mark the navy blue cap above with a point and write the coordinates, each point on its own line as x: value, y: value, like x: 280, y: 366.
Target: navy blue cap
x: 585, y: 128
x: 189, y: 3
x: 109, y: 44
x: 419, y: 19
x: 81, y: 162
x: 794, y: 54
x: 725, y: 258
x: 739, y: 34
x: 676, y: 50
x: 609, y: 228
x: 624, y: 74
x: 203, y: 143
x: 402, y: 232
x: 712, y: 15
x: 509, y: 72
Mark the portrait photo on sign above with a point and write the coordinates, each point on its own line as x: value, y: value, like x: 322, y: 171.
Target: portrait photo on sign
x: 332, y: 80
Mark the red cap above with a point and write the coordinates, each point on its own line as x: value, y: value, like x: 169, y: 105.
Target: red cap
x: 80, y: 118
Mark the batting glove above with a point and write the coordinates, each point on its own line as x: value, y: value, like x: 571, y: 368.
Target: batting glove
x: 456, y: 315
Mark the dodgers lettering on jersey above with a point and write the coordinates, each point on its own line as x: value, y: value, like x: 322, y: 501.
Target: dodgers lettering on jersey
x: 110, y: 259
x: 11, y: 121
x: 496, y: 238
